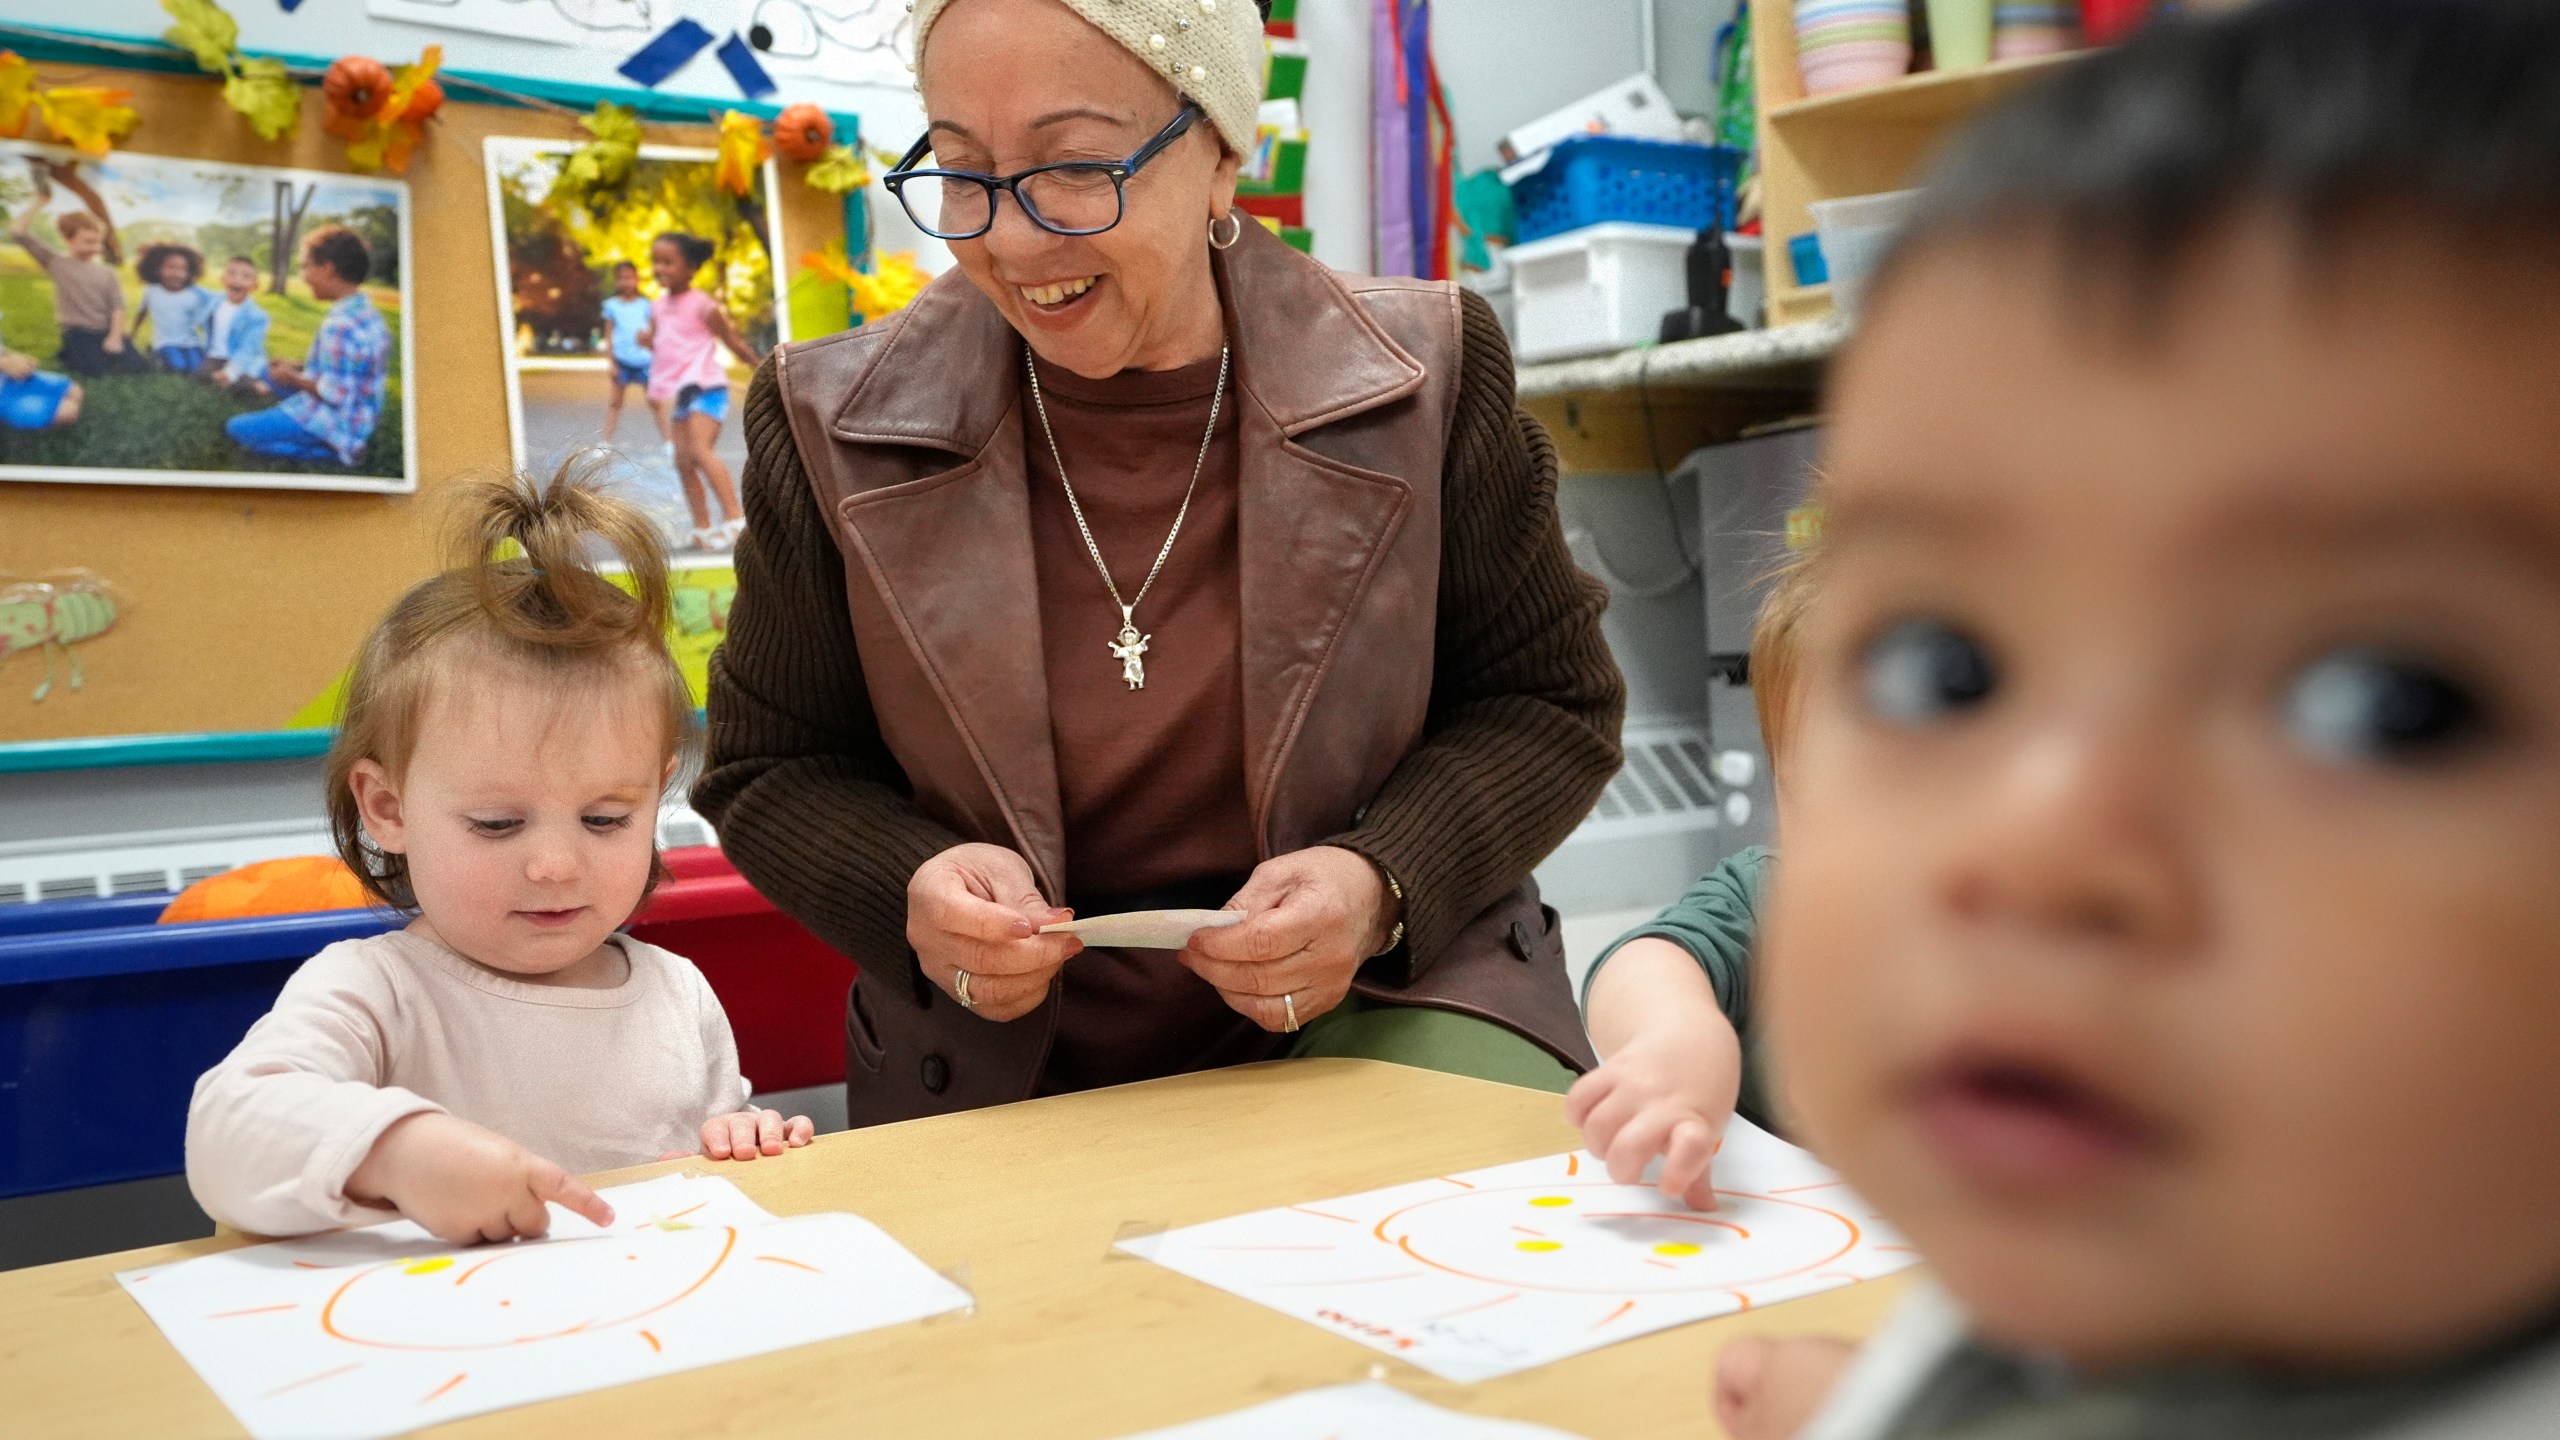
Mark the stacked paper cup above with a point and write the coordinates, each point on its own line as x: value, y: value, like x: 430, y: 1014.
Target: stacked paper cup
x: 1844, y: 44
x: 2020, y: 28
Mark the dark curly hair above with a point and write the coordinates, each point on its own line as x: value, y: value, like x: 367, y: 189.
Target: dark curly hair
x: 156, y: 256
x: 342, y: 250
x: 696, y: 251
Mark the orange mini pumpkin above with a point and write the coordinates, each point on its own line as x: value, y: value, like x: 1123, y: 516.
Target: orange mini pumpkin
x: 803, y: 132
x: 355, y: 86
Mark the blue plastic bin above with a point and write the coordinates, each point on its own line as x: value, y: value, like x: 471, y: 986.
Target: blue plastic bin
x: 106, y: 1020
x: 1592, y: 179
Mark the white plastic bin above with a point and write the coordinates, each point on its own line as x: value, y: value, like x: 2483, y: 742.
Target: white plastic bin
x: 1857, y: 231
x: 1597, y: 289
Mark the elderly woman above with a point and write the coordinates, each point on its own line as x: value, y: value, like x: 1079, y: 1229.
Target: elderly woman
x: 1143, y: 563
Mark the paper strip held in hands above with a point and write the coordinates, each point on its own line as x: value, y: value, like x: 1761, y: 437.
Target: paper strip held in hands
x: 1145, y: 929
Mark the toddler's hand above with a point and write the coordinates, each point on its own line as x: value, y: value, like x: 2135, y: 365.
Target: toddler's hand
x: 465, y: 1184
x: 749, y: 1133
x: 1770, y: 1389
x: 1667, y: 1092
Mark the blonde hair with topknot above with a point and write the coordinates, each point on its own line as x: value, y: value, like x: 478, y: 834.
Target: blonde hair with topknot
x: 523, y: 592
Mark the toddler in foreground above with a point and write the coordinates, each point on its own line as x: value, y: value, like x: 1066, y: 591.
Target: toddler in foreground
x: 508, y: 729
x: 2167, y: 940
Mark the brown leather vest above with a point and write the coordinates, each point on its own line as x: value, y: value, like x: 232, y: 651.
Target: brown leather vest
x: 912, y: 436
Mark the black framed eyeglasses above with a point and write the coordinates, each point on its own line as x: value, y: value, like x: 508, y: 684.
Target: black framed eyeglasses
x: 1071, y: 197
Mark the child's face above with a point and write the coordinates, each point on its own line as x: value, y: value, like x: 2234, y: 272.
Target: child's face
x: 626, y: 279
x: 667, y: 263
x: 83, y: 243
x: 173, y: 272
x: 529, y: 817
x: 239, y: 280
x: 2167, y: 935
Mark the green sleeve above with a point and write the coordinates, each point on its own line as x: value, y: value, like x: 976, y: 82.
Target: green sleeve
x: 1717, y: 921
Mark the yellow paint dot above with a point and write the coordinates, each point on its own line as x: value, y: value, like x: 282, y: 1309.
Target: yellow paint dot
x: 428, y: 1267
x: 1549, y: 1202
x: 1675, y: 1247
x: 1537, y: 1246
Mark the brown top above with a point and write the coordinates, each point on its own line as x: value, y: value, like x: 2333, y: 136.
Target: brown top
x: 818, y: 810
x: 86, y: 293
x: 1151, y: 781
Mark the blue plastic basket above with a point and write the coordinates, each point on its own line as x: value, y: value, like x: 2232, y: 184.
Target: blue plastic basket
x: 1593, y: 179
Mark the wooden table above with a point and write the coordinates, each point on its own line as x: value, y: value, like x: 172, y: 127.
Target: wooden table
x: 1022, y: 1204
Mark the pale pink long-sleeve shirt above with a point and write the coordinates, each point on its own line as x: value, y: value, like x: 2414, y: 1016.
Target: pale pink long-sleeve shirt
x: 369, y: 1031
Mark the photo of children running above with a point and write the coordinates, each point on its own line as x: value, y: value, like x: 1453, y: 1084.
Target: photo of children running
x: 687, y: 329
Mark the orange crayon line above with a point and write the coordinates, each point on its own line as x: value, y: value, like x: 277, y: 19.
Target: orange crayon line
x: 309, y: 1265
x: 1738, y: 1295
x: 449, y: 1384
x: 311, y: 1379
x: 1525, y: 1230
x: 1321, y: 1215
x: 476, y: 1269
x: 1792, y: 1189
x: 689, y: 1209
x: 1461, y: 1184
x: 653, y: 1341
x: 1573, y: 1164
x: 261, y: 1310
x: 794, y: 1264
x: 1662, y: 1264
x: 1614, y: 1314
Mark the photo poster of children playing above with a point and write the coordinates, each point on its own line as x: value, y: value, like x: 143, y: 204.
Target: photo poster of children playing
x: 636, y: 311
x: 187, y: 322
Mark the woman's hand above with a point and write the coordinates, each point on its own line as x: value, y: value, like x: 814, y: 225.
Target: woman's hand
x: 1672, y: 1071
x: 976, y: 908
x: 1311, y: 917
x: 750, y: 1133
x: 464, y: 1184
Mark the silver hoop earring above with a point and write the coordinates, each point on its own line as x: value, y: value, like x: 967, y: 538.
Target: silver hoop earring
x: 1235, y: 230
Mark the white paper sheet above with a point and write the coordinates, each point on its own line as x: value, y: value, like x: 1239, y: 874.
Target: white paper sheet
x: 615, y: 26
x: 1493, y: 1271
x: 375, y: 1332
x: 1367, y: 1411
x: 1146, y: 929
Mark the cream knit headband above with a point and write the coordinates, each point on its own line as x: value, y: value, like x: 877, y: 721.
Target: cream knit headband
x: 1210, y: 50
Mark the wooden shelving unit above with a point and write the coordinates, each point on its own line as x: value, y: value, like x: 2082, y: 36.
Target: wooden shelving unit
x: 1854, y: 142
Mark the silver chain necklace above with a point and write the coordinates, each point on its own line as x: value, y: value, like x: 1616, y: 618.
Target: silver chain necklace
x: 1129, y: 647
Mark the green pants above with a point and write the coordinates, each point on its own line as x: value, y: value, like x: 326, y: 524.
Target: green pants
x: 1360, y: 1029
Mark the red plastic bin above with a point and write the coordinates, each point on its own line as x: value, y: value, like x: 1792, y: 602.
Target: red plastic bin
x: 783, y: 988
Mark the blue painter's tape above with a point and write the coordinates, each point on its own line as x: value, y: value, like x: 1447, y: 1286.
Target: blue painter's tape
x: 652, y: 63
x: 744, y: 68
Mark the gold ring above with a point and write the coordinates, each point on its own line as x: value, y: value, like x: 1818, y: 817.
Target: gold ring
x: 960, y: 989
x: 1289, y: 1007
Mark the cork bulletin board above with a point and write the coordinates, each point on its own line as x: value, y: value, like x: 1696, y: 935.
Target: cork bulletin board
x: 237, y: 609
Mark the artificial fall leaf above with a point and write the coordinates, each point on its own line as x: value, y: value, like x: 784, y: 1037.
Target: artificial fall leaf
x: 204, y: 30
x: 743, y: 147
x: 384, y: 138
x: 91, y: 118
x: 266, y: 94
x: 408, y: 99
x: 831, y: 263
x: 894, y: 280
x: 838, y: 171
x: 17, y: 92
x: 607, y: 159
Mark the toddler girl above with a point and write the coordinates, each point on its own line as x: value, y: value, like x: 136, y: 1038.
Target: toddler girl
x: 687, y: 327
x: 508, y: 729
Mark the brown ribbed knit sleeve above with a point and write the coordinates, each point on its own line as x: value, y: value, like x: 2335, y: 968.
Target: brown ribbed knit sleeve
x: 810, y: 805
x: 1525, y: 700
